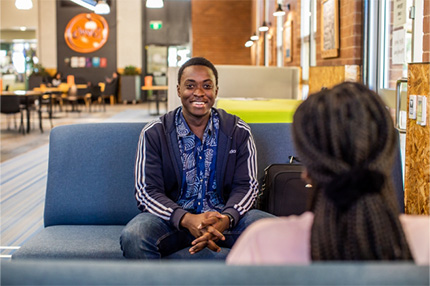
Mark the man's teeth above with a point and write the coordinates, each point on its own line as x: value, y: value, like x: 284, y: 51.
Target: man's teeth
x: 199, y: 103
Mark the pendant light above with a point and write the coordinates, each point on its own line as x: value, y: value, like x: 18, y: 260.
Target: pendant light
x: 154, y: 4
x: 24, y: 4
x: 102, y: 8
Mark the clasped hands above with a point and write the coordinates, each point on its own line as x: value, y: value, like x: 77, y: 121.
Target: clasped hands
x: 207, y: 228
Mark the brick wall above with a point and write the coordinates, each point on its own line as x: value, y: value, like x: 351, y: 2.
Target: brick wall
x: 426, y: 31
x: 294, y: 16
x: 220, y: 30
x: 350, y: 33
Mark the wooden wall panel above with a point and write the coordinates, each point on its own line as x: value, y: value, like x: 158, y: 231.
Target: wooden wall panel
x: 417, y: 153
x: 329, y: 76
x: 325, y: 76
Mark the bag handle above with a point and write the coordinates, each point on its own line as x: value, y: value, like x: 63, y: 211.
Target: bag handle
x: 293, y: 159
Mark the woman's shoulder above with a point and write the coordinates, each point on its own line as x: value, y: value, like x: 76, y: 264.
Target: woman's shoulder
x: 417, y: 231
x: 280, y: 240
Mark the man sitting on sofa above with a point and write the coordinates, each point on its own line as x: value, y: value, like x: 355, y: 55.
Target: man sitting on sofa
x: 195, y: 174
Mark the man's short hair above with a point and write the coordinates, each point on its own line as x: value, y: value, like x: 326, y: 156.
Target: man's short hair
x: 198, y: 61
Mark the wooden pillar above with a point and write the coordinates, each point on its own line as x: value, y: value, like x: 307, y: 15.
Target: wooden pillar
x: 417, y: 153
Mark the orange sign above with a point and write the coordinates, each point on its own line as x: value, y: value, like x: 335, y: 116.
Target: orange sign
x: 86, y: 33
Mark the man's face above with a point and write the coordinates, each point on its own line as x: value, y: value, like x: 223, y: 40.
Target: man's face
x: 197, y: 90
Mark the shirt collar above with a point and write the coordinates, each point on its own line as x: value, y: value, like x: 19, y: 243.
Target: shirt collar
x: 179, y: 119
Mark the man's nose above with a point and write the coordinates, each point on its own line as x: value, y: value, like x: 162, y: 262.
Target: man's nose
x: 199, y: 91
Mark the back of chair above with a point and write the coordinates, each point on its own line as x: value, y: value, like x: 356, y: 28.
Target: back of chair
x: 91, y: 174
x: 275, y: 144
x: 111, y: 88
x: 10, y: 104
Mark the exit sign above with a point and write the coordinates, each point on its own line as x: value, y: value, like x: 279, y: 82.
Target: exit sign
x: 155, y: 25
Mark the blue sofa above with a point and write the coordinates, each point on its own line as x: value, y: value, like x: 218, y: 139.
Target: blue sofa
x: 90, y: 188
x: 90, y: 197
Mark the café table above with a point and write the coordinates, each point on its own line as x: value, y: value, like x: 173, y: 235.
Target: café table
x: 27, y: 95
x: 157, y: 89
x: 52, y: 93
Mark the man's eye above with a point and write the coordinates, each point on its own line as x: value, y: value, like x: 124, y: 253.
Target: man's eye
x: 189, y: 86
x: 207, y: 86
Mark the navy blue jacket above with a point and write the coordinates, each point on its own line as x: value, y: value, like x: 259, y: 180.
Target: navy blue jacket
x: 158, y: 169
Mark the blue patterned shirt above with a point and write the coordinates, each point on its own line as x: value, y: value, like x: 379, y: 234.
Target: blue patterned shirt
x: 198, y: 190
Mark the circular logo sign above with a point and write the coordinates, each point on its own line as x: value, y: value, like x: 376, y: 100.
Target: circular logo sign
x: 86, y: 32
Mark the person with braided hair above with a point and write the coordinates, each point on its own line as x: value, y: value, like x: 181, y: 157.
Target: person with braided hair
x: 346, y: 140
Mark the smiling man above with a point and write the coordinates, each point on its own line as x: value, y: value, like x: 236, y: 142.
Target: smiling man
x: 195, y: 175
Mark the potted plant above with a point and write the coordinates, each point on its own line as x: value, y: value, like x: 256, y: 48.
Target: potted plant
x: 130, y: 84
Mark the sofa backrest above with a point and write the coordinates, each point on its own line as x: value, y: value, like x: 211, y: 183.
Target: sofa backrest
x: 274, y: 144
x: 91, y: 170
x: 91, y: 174
x: 194, y: 272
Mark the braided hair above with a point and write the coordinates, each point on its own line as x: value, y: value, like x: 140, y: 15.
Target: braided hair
x: 346, y: 140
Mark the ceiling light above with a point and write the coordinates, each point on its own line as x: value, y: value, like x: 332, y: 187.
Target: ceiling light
x: 254, y: 37
x: 102, y: 8
x: 154, y: 4
x: 264, y: 27
x: 24, y: 4
x: 279, y: 12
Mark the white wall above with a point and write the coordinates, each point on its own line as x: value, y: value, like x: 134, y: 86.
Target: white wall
x: 12, y: 18
x: 129, y: 29
x: 42, y: 19
x: 47, y: 33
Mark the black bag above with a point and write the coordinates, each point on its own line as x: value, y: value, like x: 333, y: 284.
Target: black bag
x: 283, y: 191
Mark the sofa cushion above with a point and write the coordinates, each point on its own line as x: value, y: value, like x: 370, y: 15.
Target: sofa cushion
x: 91, y: 242
x: 74, y: 242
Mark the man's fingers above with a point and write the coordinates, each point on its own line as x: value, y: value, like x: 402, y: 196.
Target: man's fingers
x: 213, y: 246
x: 202, y: 238
x: 207, y: 243
x: 216, y: 233
x: 208, y: 221
x: 199, y: 246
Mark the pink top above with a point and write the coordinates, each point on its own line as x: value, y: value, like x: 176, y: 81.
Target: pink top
x: 285, y: 240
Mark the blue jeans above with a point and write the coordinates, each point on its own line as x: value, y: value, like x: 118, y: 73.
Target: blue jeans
x: 147, y: 236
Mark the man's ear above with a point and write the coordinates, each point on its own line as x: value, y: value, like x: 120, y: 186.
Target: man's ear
x: 177, y: 90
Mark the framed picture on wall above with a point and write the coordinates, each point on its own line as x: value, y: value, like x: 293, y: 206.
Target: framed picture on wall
x: 329, y: 28
x: 288, y: 41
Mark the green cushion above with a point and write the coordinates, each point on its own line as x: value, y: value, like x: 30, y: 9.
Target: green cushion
x: 261, y: 110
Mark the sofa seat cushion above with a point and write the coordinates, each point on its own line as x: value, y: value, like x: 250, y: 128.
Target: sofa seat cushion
x: 91, y: 242
x: 74, y: 242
